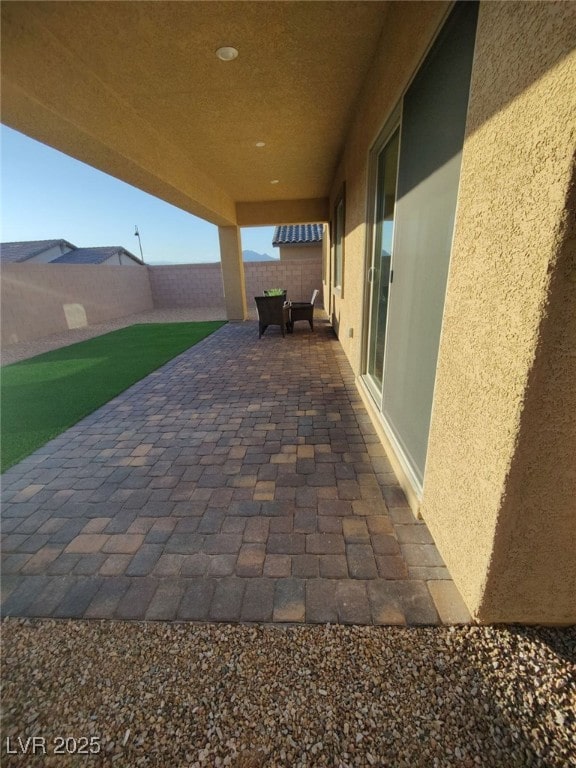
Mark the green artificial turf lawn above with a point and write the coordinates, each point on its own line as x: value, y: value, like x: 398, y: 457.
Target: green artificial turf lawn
x: 44, y: 395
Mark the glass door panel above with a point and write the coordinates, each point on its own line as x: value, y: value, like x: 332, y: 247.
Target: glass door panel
x: 379, y: 274
x: 433, y: 127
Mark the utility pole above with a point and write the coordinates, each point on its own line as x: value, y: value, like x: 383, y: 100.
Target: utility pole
x: 137, y: 234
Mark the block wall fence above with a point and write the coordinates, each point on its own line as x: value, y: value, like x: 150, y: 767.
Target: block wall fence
x: 300, y: 278
x: 200, y: 285
x: 187, y: 285
x: 38, y: 300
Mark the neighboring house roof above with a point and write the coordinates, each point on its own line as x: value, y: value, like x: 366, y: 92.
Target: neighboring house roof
x: 13, y: 253
x: 26, y: 249
x: 297, y: 234
x: 93, y: 255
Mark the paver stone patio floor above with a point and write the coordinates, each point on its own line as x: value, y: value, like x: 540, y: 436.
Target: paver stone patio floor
x: 242, y: 481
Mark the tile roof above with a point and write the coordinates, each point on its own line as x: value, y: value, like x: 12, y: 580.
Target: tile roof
x: 26, y: 249
x: 297, y: 234
x: 93, y: 255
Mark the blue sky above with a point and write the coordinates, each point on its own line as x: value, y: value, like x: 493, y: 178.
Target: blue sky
x: 47, y: 195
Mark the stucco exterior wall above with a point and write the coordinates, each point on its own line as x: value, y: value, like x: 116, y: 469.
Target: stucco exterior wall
x: 295, y: 252
x: 500, y: 478
x: 38, y: 300
x: 500, y: 484
x: 233, y: 273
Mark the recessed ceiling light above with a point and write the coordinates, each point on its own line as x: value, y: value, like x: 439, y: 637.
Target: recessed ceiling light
x: 260, y: 144
x: 227, y: 53
x: 275, y: 181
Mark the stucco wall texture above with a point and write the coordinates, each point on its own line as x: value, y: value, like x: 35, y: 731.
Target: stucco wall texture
x: 38, y: 300
x: 500, y: 479
x: 500, y: 485
x: 295, y: 252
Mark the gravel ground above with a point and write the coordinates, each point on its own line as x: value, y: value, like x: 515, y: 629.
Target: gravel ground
x: 159, y: 694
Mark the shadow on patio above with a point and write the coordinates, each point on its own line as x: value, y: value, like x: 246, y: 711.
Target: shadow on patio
x: 243, y: 481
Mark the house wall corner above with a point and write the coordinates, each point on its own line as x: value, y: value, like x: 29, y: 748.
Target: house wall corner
x: 500, y: 478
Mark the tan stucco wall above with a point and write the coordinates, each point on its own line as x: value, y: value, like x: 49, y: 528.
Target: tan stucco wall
x: 500, y: 484
x: 38, y: 300
x: 500, y: 480
x: 298, y: 252
x: 233, y: 273
x: 272, y: 212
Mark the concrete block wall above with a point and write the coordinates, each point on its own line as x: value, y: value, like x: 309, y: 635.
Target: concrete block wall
x: 300, y: 278
x: 187, y: 285
x: 201, y: 285
x: 38, y: 300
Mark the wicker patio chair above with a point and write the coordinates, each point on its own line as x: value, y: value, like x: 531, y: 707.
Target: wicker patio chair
x: 303, y: 310
x: 272, y: 310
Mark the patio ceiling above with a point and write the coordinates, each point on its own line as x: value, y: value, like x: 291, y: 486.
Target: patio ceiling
x: 136, y: 90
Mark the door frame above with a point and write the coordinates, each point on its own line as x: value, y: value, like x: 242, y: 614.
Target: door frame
x: 374, y: 399
x: 393, y: 122
x: 402, y: 466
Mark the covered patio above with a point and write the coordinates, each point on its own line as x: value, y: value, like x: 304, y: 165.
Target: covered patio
x: 435, y: 143
x: 243, y: 481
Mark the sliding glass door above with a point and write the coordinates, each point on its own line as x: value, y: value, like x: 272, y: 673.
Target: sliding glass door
x: 379, y: 273
x: 417, y: 173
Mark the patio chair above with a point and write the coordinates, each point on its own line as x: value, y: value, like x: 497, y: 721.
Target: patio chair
x: 303, y: 310
x: 272, y: 310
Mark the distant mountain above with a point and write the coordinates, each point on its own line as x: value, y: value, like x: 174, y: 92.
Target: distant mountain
x: 254, y: 256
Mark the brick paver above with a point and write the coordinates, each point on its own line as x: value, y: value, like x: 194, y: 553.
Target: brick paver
x: 289, y: 600
x: 243, y: 481
x: 258, y: 602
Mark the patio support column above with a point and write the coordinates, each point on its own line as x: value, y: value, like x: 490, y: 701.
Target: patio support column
x: 233, y: 273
